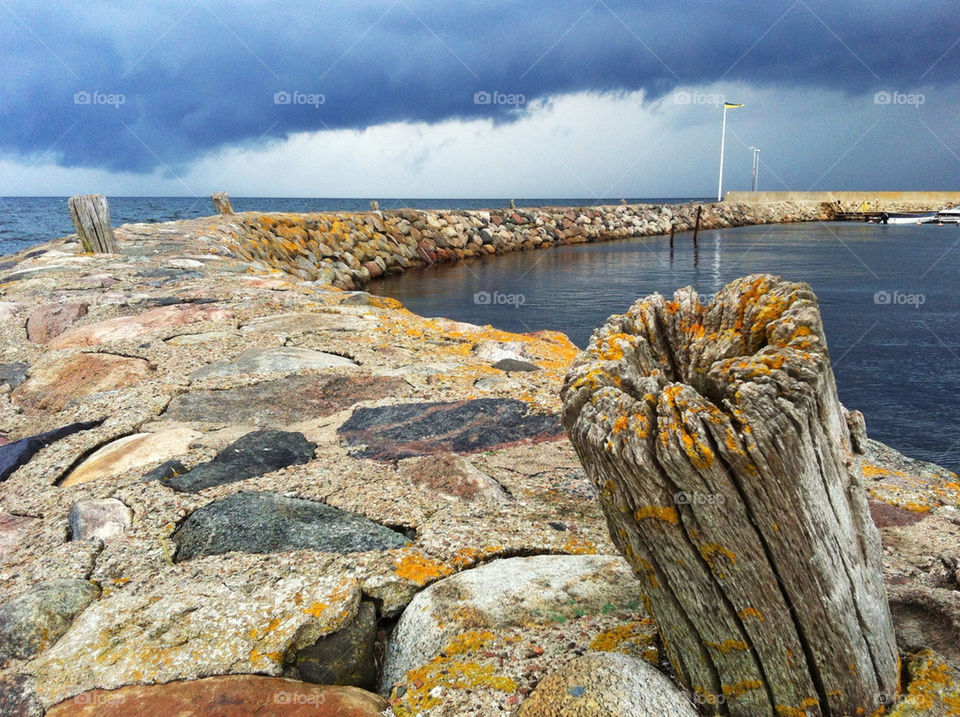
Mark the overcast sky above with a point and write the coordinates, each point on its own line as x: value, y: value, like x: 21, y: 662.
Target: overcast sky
x: 489, y: 99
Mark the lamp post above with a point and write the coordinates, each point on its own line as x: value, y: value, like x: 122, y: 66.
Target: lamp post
x: 723, y: 137
x: 756, y: 165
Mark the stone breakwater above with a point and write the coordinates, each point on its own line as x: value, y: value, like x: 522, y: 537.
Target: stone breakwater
x: 349, y: 250
x: 220, y: 485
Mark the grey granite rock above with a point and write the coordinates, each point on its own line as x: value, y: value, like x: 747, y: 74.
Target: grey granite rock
x: 35, y: 620
x: 270, y: 523
x: 251, y: 455
x: 345, y: 657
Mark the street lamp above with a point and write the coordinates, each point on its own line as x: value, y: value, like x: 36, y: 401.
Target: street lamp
x: 756, y: 165
x: 723, y: 137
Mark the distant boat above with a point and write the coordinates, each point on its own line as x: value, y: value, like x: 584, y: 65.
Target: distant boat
x: 887, y: 218
x: 948, y: 216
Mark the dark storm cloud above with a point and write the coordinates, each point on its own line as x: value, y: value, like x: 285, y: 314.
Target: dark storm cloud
x: 127, y: 87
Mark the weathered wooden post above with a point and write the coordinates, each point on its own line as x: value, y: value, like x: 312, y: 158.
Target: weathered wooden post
x: 221, y: 202
x: 91, y: 218
x: 696, y: 226
x: 730, y: 477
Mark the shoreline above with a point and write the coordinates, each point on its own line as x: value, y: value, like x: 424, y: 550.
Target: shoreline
x: 176, y: 350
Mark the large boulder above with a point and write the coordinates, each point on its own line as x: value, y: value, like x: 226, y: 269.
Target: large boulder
x: 242, y: 617
x: 227, y: 696
x: 507, y: 593
x: 606, y: 684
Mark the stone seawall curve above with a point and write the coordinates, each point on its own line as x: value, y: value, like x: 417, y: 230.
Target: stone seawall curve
x: 349, y: 250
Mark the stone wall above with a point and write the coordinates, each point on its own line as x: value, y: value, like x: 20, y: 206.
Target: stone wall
x: 854, y: 201
x: 348, y: 250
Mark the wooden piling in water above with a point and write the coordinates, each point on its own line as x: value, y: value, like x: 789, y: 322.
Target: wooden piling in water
x: 221, y: 202
x: 91, y: 218
x: 696, y: 226
x: 730, y: 475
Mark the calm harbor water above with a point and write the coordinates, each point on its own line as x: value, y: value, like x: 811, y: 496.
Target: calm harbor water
x: 890, y: 299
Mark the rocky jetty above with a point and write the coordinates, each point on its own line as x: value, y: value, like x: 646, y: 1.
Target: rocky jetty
x: 222, y: 484
x: 347, y: 251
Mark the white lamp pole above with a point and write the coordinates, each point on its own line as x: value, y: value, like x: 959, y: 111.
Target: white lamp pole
x: 723, y: 138
x: 756, y: 165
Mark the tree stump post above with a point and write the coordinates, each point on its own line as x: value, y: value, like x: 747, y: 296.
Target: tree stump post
x: 730, y: 477
x: 221, y: 202
x: 91, y: 218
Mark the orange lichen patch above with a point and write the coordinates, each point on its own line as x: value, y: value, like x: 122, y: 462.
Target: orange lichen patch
x: 709, y: 552
x: 256, y: 656
x: 750, y: 612
x: 420, y: 569
x: 739, y: 688
x: 620, y: 424
x: 593, y: 378
x: 801, y: 711
x: 465, y: 557
x: 468, y: 642
x: 871, y: 470
x: 628, y: 638
x: 727, y: 645
x: 659, y: 512
x: 916, y: 507
x: 450, y: 674
x: 640, y: 564
x: 608, y: 348
x: 932, y: 689
x: 700, y: 454
x: 733, y: 444
x: 315, y: 609
x: 577, y: 546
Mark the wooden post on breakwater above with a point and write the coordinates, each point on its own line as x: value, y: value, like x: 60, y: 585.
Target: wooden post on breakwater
x: 730, y: 476
x: 221, y: 202
x: 696, y: 226
x: 91, y: 218
x: 673, y: 228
